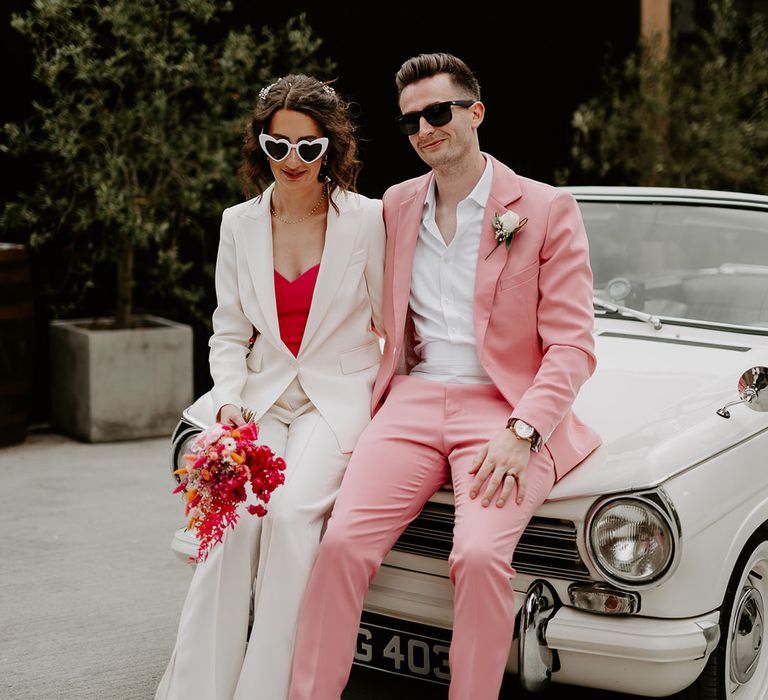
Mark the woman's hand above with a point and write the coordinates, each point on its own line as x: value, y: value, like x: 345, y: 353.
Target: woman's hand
x: 229, y: 414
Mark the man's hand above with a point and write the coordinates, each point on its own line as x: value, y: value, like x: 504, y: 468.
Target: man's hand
x: 502, y: 461
x: 229, y: 414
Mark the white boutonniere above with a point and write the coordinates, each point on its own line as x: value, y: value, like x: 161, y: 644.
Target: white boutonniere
x: 505, y: 227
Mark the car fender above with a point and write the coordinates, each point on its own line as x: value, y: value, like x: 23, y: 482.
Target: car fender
x: 719, y: 505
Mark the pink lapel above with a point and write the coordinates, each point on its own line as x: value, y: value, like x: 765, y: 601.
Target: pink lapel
x: 408, y: 225
x: 505, y: 189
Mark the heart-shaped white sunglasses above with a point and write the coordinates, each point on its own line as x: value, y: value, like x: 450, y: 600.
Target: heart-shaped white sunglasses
x: 278, y: 149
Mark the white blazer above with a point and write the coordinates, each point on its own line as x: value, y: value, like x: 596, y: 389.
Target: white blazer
x: 339, y: 354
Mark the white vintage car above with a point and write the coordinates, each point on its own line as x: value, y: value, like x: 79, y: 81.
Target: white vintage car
x: 646, y: 571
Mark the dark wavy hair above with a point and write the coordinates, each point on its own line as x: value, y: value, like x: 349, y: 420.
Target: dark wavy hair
x: 322, y: 103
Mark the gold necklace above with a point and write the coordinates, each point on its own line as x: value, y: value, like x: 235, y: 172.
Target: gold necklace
x: 303, y: 218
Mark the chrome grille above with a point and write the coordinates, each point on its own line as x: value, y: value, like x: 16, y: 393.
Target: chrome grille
x: 546, y: 548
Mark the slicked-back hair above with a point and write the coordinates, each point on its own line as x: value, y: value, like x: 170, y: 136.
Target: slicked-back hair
x: 303, y: 93
x: 425, y: 65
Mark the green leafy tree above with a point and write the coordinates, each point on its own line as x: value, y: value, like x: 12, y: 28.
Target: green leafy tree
x: 697, y: 118
x: 136, y: 135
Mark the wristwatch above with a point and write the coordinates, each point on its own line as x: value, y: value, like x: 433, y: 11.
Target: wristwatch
x: 523, y: 431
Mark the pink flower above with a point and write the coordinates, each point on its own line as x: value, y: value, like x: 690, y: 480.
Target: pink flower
x: 225, y: 465
x: 210, y: 435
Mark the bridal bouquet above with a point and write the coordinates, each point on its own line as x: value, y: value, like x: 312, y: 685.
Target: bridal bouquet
x: 223, y: 461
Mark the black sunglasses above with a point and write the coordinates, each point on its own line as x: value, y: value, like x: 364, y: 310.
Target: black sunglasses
x: 436, y: 115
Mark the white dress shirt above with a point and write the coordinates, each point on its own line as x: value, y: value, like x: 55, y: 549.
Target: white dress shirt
x: 443, y: 290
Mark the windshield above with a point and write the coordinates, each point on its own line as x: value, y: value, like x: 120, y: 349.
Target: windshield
x: 681, y: 260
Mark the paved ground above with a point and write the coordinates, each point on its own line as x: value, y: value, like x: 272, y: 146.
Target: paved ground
x: 90, y: 592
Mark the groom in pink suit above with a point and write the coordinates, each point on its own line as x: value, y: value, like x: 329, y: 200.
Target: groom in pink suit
x: 488, y: 314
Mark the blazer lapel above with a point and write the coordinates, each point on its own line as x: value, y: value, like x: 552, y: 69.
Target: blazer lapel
x: 339, y: 243
x: 408, y: 227
x: 257, y: 239
x: 505, y: 190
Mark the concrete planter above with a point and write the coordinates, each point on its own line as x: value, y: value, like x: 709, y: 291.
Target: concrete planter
x: 111, y: 384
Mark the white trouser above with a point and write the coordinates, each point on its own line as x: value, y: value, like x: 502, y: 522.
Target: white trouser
x: 271, y: 556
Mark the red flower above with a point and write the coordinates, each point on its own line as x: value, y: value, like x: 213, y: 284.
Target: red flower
x: 217, y: 484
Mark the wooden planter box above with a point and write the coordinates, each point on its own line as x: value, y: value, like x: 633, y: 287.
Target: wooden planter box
x: 16, y: 343
x: 109, y: 384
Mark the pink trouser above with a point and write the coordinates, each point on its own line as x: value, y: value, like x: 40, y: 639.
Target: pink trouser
x: 425, y: 433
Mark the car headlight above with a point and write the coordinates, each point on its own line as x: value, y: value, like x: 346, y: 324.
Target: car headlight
x: 182, y: 444
x: 631, y: 541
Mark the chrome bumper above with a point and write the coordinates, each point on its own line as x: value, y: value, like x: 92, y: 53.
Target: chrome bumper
x: 536, y: 661
x: 549, y: 632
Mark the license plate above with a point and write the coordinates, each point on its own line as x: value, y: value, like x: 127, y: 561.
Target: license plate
x: 403, y: 648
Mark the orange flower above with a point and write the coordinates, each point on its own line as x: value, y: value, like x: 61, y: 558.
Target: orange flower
x: 236, y: 434
x: 182, y: 470
x: 206, y: 475
x: 191, y: 522
x: 191, y: 495
x: 237, y: 457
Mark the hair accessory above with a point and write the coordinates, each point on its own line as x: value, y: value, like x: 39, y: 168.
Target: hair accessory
x: 265, y: 91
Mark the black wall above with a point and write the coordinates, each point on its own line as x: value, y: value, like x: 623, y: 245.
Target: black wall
x: 535, y: 61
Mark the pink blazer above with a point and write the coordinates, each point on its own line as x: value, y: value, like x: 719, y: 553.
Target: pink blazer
x: 533, y: 310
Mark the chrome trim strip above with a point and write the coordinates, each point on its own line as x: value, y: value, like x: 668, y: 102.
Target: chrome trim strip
x: 669, y: 195
x: 688, y: 323
x: 711, y: 635
x: 742, y: 204
x: 674, y: 341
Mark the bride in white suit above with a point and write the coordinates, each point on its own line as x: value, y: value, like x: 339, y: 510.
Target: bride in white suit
x: 299, y: 267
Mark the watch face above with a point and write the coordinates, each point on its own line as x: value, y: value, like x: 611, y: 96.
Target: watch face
x: 523, y: 429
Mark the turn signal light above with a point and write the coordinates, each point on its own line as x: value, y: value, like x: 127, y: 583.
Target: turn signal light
x: 598, y: 598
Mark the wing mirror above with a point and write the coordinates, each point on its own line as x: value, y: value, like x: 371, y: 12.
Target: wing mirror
x: 753, y: 391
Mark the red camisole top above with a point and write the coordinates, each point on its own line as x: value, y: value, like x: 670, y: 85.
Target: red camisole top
x: 293, y: 301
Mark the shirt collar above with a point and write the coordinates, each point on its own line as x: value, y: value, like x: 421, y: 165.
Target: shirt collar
x: 479, y: 194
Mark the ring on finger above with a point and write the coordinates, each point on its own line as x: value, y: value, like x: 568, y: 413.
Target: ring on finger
x: 510, y: 473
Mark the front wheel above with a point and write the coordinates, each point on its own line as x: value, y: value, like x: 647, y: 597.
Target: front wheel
x: 738, y: 668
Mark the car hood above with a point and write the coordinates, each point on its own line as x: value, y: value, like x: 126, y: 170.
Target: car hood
x: 653, y: 400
